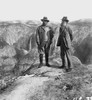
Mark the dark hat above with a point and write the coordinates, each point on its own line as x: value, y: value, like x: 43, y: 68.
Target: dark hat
x: 45, y: 19
x: 65, y: 19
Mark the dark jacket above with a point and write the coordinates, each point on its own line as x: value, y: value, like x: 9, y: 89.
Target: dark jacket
x: 65, y: 37
x: 40, y: 35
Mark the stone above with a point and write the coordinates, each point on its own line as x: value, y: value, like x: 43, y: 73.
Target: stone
x: 7, y: 51
x: 8, y: 64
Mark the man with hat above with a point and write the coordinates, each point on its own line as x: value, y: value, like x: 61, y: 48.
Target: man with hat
x: 44, y: 36
x: 64, y: 41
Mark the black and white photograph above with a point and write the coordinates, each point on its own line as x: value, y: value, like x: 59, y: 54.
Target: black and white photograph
x: 45, y: 50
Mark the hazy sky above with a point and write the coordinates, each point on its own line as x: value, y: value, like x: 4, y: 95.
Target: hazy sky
x: 53, y: 9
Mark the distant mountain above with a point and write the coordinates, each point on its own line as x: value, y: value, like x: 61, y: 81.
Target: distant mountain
x: 82, y: 22
x: 82, y: 30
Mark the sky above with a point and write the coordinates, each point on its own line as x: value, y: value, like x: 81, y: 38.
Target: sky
x: 37, y: 9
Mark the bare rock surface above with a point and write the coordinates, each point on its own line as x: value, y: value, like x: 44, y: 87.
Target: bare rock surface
x: 51, y: 83
x: 29, y: 85
x: 7, y: 60
x: 26, y: 86
x: 7, y: 51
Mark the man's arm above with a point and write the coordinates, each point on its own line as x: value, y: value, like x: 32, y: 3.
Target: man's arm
x: 70, y: 33
x: 37, y: 36
x: 59, y: 38
x: 51, y: 33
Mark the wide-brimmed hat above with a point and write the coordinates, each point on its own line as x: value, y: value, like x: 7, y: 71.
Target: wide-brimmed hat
x: 45, y: 19
x: 65, y: 19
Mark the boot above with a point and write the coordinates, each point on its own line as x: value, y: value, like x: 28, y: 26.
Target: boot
x: 68, y: 70
x: 47, y: 60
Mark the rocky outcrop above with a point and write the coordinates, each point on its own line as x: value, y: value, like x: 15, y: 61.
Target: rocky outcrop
x: 7, y: 51
x: 17, y: 32
x: 7, y: 60
x: 15, y: 39
x: 47, y: 83
x: 82, y: 30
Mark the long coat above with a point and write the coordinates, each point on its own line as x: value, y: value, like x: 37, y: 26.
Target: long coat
x: 40, y: 36
x: 65, y: 37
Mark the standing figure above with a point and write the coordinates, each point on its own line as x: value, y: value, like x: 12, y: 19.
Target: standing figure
x: 64, y: 41
x: 44, y: 36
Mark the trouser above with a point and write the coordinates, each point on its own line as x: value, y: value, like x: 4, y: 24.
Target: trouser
x: 66, y: 58
x: 46, y: 51
x: 41, y: 58
x: 46, y: 54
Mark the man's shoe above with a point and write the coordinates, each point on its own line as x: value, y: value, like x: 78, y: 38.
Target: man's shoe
x: 62, y: 66
x: 47, y: 64
x: 68, y: 70
x: 40, y: 65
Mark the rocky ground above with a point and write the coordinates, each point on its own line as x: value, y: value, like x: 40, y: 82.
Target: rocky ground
x: 51, y: 83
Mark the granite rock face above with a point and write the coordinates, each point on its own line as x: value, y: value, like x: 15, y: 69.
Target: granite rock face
x: 7, y: 60
x: 82, y: 30
x: 15, y: 38
x: 51, y: 83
